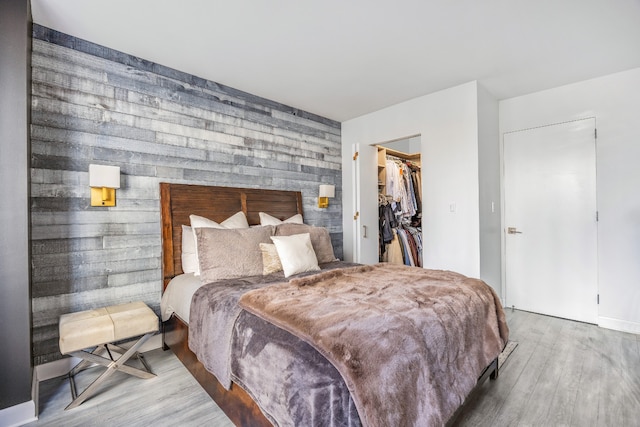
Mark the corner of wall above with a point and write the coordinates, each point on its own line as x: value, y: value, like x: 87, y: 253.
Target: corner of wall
x: 489, y: 179
x: 15, y: 305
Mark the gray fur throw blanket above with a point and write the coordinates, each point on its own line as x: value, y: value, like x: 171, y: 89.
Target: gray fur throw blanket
x: 410, y: 343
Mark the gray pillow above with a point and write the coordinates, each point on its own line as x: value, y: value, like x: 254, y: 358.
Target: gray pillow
x: 320, y: 239
x: 230, y: 253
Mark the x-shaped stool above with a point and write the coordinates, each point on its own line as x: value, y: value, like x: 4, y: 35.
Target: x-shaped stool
x: 111, y: 364
x: 98, y: 329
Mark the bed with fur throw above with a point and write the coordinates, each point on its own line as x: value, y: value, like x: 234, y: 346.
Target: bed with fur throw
x: 409, y: 343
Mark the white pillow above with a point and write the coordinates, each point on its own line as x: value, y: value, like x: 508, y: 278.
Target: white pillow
x: 296, y: 253
x: 188, y: 255
x: 237, y: 220
x: 266, y: 219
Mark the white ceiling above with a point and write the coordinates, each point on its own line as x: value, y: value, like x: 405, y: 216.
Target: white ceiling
x: 345, y: 58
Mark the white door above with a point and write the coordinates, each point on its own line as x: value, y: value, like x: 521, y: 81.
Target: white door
x: 365, y: 223
x: 551, y: 220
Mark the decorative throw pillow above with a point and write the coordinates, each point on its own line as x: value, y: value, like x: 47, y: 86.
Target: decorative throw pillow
x: 296, y: 253
x: 237, y: 220
x: 230, y: 253
x: 320, y: 239
x: 188, y: 254
x: 266, y: 219
x: 270, y: 259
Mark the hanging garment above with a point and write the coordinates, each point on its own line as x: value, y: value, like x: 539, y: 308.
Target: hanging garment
x: 393, y: 180
x: 415, y: 242
x: 417, y: 189
x: 413, y: 248
x: 406, y: 251
x: 409, y: 209
x: 393, y: 254
x: 387, y: 221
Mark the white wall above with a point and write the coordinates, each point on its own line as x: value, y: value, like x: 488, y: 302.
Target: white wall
x: 614, y: 101
x: 448, y: 124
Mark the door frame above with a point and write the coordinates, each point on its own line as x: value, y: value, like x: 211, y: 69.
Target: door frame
x: 359, y: 188
x: 503, y: 225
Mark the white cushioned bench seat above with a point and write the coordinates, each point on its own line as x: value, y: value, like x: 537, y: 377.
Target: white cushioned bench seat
x: 99, y: 329
x: 105, y: 325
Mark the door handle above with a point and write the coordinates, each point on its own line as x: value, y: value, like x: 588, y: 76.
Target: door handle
x: 513, y: 230
x: 365, y: 231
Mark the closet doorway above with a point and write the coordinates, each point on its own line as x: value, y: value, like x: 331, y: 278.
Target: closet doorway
x: 399, y: 195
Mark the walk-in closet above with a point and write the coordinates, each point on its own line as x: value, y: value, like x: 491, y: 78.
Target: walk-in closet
x: 400, y: 202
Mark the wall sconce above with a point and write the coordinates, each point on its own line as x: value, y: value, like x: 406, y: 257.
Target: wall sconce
x: 103, y: 181
x: 326, y: 191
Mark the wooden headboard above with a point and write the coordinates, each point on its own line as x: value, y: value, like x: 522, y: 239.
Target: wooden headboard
x: 178, y: 201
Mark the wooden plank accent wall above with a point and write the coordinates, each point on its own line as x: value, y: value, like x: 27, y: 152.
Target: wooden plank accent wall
x: 91, y: 104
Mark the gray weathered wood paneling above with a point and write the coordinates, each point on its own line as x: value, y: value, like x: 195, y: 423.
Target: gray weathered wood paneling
x: 91, y: 104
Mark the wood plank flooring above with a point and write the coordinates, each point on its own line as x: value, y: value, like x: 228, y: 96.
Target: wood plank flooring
x: 173, y: 398
x: 562, y: 373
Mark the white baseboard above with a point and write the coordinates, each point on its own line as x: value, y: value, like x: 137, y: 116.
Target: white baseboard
x: 18, y: 415
x: 56, y: 368
x: 619, y: 325
x: 61, y: 367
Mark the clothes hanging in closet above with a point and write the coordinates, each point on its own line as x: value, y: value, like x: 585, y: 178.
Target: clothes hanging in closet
x: 393, y: 253
x: 403, y: 185
x: 411, y: 239
x: 400, y: 243
x: 387, y: 221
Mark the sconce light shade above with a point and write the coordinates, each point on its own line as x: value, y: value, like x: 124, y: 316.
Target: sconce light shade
x: 326, y: 191
x: 103, y: 181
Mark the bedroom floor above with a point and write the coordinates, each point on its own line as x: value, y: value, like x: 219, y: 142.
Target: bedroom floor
x: 562, y: 373
x: 172, y: 398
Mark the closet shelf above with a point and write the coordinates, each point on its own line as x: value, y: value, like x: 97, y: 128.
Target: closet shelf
x: 396, y: 153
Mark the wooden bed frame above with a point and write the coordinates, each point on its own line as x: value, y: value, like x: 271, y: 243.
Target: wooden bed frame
x: 177, y: 202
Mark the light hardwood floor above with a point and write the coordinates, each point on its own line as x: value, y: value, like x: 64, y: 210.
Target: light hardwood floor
x: 173, y: 398
x: 562, y: 373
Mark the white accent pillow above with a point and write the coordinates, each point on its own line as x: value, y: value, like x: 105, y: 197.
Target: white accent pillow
x: 266, y: 219
x: 188, y: 255
x: 296, y: 253
x: 235, y: 221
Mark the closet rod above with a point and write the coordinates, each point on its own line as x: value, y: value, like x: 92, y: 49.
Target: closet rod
x: 408, y: 162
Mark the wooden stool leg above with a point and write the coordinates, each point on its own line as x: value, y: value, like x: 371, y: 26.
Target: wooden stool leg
x: 111, y: 368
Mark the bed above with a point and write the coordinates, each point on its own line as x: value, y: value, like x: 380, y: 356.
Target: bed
x: 313, y: 373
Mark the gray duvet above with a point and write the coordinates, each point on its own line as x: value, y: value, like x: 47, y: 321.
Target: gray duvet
x: 293, y: 384
x: 370, y: 337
